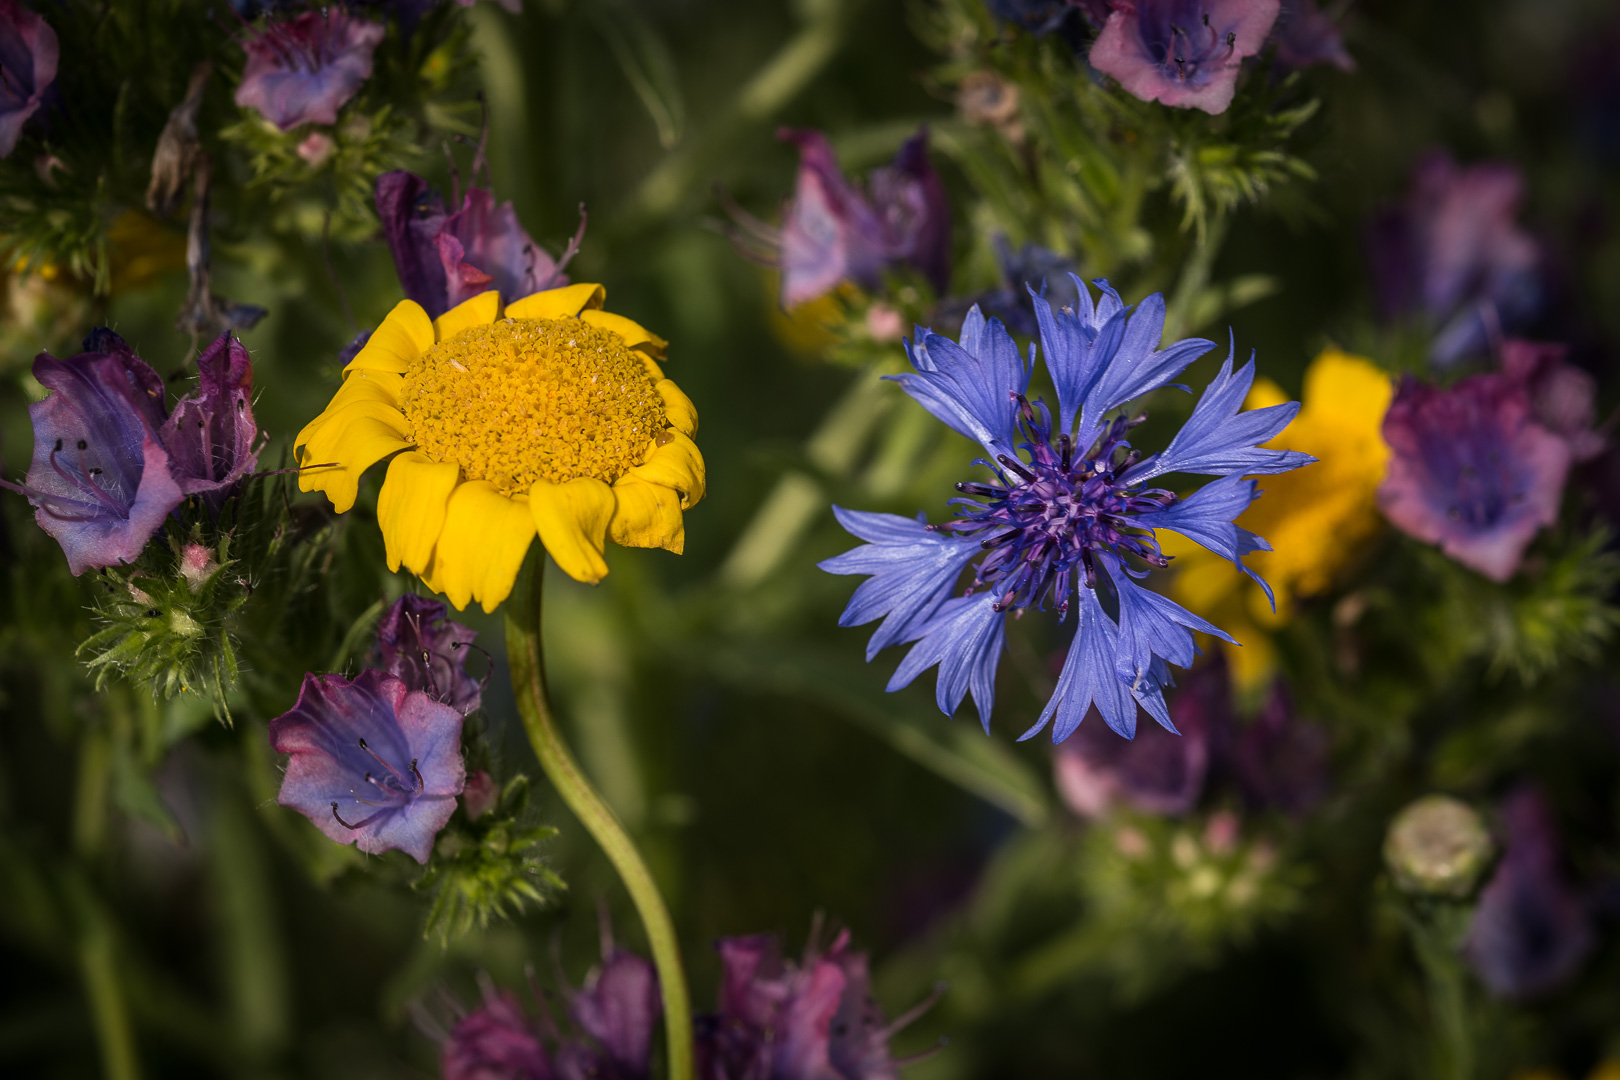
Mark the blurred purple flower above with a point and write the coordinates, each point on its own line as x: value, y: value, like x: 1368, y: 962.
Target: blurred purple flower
x: 443, y: 259
x: 1530, y: 930
x: 100, y: 480
x: 1029, y: 267
x: 303, y: 69
x: 1182, y: 52
x: 496, y: 1041
x: 1563, y: 398
x: 1279, y: 760
x: 1471, y: 470
x: 373, y: 762
x: 28, y: 56
x: 211, y: 431
x: 420, y: 646
x: 618, y: 1007
x: 833, y: 232
x: 1045, y: 16
x: 779, y: 1021
x: 1306, y: 35
x: 1158, y: 772
x: 1453, y: 253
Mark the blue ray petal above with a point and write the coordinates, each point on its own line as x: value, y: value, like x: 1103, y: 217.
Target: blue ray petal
x: 1152, y: 626
x: 965, y: 639
x: 1206, y: 517
x: 970, y: 386
x: 1219, y: 439
x: 1088, y: 677
x: 912, y: 571
x: 1139, y: 365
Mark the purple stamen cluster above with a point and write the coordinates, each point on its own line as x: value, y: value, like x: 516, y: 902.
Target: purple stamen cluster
x: 1053, y: 513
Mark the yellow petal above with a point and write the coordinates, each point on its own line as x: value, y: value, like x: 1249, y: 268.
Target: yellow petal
x: 572, y: 519
x: 411, y: 508
x: 635, y: 335
x: 481, y: 310
x: 382, y: 387
x: 674, y: 461
x: 646, y: 515
x: 348, y: 443
x: 678, y: 407
x: 486, y: 534
x: 562, y: 303
x: 406, y: 334
x: 652, y: 367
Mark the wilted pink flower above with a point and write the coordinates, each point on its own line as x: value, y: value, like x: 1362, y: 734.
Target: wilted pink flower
x: 28, y: 56
x: 304, y: 69
x: 1182, y: 52
x: 1471, y: 470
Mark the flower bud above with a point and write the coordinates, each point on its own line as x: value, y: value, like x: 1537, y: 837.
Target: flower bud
x: 1437, y: 846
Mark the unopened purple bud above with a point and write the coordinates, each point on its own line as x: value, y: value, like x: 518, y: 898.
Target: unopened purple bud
x: 211, y: 433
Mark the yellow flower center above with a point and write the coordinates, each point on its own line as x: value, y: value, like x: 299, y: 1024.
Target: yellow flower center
x: 523, y: 400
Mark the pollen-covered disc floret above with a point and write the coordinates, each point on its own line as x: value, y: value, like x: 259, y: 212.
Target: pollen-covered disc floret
x: 1049, y: 517
x: 1067, y: 519
x: 521, y: 400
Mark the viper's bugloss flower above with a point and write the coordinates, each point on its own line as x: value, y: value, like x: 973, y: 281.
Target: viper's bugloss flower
x: 303, y: 69
x: 778, y: 1020
x: 552, y: 419
x: 1471, y: 470
x: 1454, y: 254
x: 445, y: 259
x: 496, y: 1041
x: 100, y: 480
x: 617, y: 1009
x: 1070, y: 517
x: 1530, y: 930
x: 833, y: 232
x: 373, y: 762
x: 419, y: 645
x: 1306, y: 35
x: 1156, y: 773
x: 1182, y: 52
x: 210, y: 434
x: 1563, y: 398
x: 28, y: 57
x: 1317, y: 521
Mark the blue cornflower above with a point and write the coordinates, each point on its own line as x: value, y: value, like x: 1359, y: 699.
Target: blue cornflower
x: 1067, y: 520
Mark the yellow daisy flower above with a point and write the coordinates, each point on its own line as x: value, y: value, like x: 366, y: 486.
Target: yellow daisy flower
x: 551, y: 418
x: 1316, y: 519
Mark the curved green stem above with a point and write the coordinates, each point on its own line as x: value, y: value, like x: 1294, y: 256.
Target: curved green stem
x: 523, y: 650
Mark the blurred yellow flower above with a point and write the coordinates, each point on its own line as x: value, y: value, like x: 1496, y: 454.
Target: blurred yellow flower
x: 552, y: 419
x: 1315, y: 518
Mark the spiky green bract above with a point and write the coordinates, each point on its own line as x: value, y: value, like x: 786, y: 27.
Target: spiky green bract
x: 1558, y: 609
x: 489, y: 868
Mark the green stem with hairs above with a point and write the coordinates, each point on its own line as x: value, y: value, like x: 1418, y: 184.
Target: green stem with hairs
x: 524, y: 653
